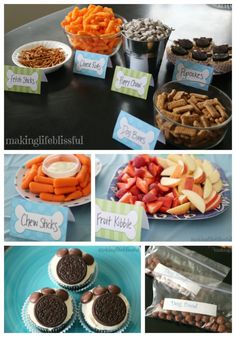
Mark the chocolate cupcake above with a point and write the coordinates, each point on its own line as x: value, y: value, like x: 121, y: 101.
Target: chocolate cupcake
x: 72, y: 269
x: 104, y: 309
x: 49, y: 310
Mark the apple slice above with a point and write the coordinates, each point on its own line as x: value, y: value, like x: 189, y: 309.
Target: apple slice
x: 168, y: 171
x: 207, y: 168
x: 218, y: 186
x: 211, y: 200
x: 215, y: 204
x: 174, y: 157
x: 179, y: 210
x: 183, y: 199
x: 215, y: 176
x: 179, y: 170
x: 198, y: 189
x: 198, y: 161
x: 189, y: 161
x: 196, y: 200
x: 170, y: 182
x: 198, y: 175
x: 207, y: 188
x: 188, y: 184
x: 163, y: 162
x: 211, y: 196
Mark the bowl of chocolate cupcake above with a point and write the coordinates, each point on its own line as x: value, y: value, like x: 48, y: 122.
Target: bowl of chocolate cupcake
x: 192, y: 118
x: 202, y: 50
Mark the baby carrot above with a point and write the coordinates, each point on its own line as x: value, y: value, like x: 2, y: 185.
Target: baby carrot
x: 64, y: 190
x: 38, y: 188
x: 87, y: 190
x: 65, y: 182
x: 36, y: 160
x: 82, y: 173
x: 29, y: 177
x: 51, y: 197
x: 43, y: 180
x: 75, y: 195
x: 85, y: 160
x: 40, y: 171
x: 85, y: 181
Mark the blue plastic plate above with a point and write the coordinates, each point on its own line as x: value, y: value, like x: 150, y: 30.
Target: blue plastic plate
x: 193, y: 215
x: 26, y: 270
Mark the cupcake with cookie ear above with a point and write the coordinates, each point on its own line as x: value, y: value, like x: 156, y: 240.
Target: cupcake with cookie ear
x: 104, y: 309
x: 49, y: 310
x: 72, y: 269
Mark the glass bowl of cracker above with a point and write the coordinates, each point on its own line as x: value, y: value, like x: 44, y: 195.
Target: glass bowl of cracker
x: 192, y: 118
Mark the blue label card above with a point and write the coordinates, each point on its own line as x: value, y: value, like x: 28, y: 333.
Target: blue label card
x: 135, y: 133
x: 38, y: 221
x: 193, y: 74
x: 90, y: 64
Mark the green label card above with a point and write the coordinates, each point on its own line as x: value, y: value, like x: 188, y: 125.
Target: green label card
x: 119, y: 221
x: 131, y: 82
x: 24, y: 80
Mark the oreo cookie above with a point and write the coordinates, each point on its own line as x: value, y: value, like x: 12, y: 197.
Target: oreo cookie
x: 185, y: 43
x: 203, y: 42
x: 71, y: 269
x: 50, y: 311
x: 199, y: 55
x: 220, y: 57
x: 223, y: 49
x: 109, y: 309
x: 177, y: 50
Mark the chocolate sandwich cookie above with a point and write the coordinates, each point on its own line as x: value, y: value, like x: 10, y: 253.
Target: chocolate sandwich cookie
x: 203, y: 42
x: 50, y: 310
x: 109, y: 309
x: 220, y: 57
x: 71, y: 269
x: 184, y: 43
x: 222, y: 49
x: 177, y: 50
x: 199, y: 55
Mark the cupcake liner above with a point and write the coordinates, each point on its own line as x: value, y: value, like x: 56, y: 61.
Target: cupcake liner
x: 77, y: 288
x: 32, y: 327
x: 89, y: 329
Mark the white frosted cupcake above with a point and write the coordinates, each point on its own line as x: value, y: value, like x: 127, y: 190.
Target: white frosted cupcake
x: 49, y: 310
x: 72, y: 269
x: 104, y: 309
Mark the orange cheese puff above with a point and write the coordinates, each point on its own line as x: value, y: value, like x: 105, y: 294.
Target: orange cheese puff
x: 37, y: 188
x: 86, y: 190
x: 40, y: 171
x: 43, y: 180
x: 85, y: 181
x: 82, y: 173
x: 36, y: 160
x: 75, y: 195
x: 52, y: 197
x: 29, y: 177
x: 65, y: 182
x: 64, y: 190
x: 85, y: 160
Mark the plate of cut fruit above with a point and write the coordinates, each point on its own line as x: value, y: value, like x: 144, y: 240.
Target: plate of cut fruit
x: 33, y: 184
x: 178, y: 187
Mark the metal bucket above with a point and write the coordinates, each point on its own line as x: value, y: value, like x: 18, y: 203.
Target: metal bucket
x: 144, y: 56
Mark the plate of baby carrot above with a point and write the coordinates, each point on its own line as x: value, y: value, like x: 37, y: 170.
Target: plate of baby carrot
x: 33, y: 184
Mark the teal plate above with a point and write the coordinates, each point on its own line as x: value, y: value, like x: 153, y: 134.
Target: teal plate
x: 26, y: 270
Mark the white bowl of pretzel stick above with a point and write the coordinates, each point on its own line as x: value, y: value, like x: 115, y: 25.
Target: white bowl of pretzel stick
x: 48, y: 56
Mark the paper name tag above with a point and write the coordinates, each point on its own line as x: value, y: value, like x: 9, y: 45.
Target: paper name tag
x: 165, y: 273
x: 193, y: 74
x: 135, y: 133
x: 131, y: 82
x: 119, y: 221
x: 90, y: 64
x: 38, y: 221
x: 190, y: 306
x: 23, y: 80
